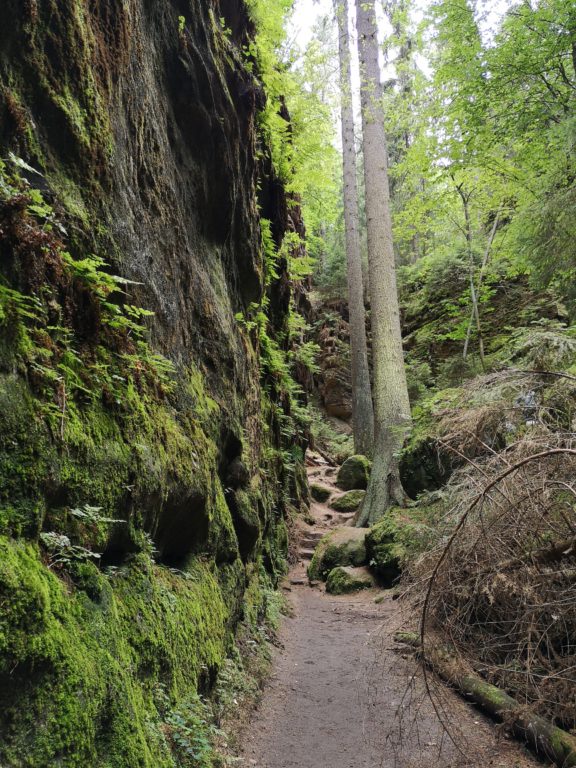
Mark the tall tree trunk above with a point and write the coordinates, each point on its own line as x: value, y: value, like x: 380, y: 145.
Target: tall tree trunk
x: 390, y: 391
x: 473, y: 314
x: 362, y: 410
x: 465, y: 197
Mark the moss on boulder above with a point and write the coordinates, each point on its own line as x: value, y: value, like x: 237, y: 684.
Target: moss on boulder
x: 403, y: 534
x: 320, y: 493
x: 344, y: 579
x: 384, y: 549
x: 354, y: 473
x: 348, y: 502
x: 68, y: 658
x: 342, y: 546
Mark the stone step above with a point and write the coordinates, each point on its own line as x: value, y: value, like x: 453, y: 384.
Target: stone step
x: 313, y: 535
x: 306, y: 554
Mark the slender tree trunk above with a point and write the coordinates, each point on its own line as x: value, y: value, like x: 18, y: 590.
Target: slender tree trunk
x: 390, y: 392
x: 473, y: 295
x: 479, y: 285
x: 362, y: 410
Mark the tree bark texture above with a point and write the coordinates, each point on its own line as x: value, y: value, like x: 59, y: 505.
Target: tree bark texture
x: 362, y: 409
x: 390, y: 391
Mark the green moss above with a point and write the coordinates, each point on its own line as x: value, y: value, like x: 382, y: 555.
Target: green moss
x: 384, y: 549
x: 354, y: 473
x: 79, y: 675
x: 348, y: 502
x: 342, y: 580
x: 400, y: 535
x: 205, y: 408
x: 27, y: 459
x: 275, y: 547
x: 71, y: 196
x: 423, y: 464
x: 79, y: 98
x: 246, y: 520
x: 343, y: 546
x: 320, y: 493
x: 25, y: 130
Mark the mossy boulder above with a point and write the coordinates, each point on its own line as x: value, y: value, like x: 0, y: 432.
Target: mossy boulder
x: 320, y: 493
x: 342, y: 546
x: 348, y: 502
x: 403, y: 534
x: 70, y: 655
x: 384, y: 549
x: 424, y: 466
x: 344, y: 579
x: 354, y: 473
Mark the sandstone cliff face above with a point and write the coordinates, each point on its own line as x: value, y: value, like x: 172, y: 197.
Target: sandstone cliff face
x: 334, y: 380
x: 141, y: 119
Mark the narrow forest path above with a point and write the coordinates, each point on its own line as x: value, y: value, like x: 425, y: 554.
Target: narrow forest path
x: 338, y: 686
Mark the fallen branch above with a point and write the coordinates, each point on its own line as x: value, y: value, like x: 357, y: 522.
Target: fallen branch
x: 548, y: 556
x: 542, y: 736
x: 331, y: 462
x: 465, y: 515
x: 528, y: 372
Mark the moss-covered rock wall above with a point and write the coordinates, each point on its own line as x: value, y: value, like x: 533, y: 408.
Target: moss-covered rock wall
x: 144, y: 487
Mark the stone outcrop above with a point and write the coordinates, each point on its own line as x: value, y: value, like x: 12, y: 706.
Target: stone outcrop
x: 143, y: 493
x: 348, y: 502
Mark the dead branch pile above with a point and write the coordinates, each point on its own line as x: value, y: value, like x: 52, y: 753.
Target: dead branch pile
x: 500, y: 585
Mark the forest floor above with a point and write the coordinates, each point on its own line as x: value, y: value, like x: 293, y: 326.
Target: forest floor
x: 343, y: 696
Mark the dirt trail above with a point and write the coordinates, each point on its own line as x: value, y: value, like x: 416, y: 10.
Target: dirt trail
x: 339, y: 687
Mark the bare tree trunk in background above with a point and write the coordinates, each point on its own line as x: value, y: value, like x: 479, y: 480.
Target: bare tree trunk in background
x: 465, y: 197
x: 390, y: 391
x: 473, y: 314
x: 363, y: 412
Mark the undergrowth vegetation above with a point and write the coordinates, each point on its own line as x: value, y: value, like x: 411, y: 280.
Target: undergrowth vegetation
x: 502, y: 566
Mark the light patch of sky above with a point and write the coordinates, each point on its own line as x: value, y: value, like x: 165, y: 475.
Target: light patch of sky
x: 307, y: 12
x: 305, y: 15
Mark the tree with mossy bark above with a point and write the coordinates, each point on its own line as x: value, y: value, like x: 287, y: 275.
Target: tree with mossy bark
x: 362, y: 409
x: 390, y: 390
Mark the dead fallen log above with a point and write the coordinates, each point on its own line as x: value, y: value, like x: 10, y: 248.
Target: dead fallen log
x: 550, y: 555
x: 546, y: 739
